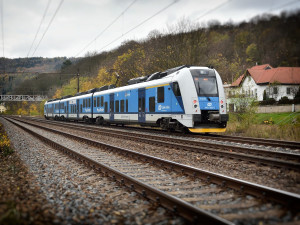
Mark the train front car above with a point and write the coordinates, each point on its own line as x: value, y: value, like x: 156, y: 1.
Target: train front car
x: 203, y: 99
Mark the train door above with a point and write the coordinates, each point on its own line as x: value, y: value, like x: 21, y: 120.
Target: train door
x: 111, y: 106
x: 77, y: 108
x: 67, y: 109
x: 142, y: 115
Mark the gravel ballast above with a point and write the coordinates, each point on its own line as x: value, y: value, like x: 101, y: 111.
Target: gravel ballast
x: 74, y: 194
x: 279, y: 178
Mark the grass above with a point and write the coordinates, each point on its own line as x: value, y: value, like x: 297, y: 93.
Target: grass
x: 283, y: 126
x: 5, y: 147
x: 278, y: 118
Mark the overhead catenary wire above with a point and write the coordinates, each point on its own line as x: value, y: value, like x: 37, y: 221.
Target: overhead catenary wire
x: 61, y: 2
x: 140, y: 24
x: 38, y: 30
x: 213, y: 9
x: 105, y: 29
x: 284, y: 5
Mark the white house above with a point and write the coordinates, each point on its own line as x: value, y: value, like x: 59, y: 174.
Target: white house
x: 276, y: 82
x: 2, y: 108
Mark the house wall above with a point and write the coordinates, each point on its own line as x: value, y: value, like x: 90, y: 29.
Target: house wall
x: 278, y: 108
x: 251, y: 89
x: 2, y: 108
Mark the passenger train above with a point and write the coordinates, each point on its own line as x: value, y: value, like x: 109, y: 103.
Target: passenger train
x: 183, y: 98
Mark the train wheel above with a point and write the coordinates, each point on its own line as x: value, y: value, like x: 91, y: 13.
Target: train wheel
x: 99, y: 121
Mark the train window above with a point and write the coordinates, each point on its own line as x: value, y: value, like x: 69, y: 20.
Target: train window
x: 122, y: 105
x: 65, y: 109
x: 152, y: 104
x: 89, y: 102
x: 106, y: 107
x: 143, y: 104
x: 102, y: 101
x: 201, y: 72
x: 111, y: 106
x: 83, y: 103
x: 126, y: 105
x: 160, y: 94
x: 98, y: 101
x: 94, y: 102
x: 80, y: 108
x: 117, y: 106
x: 140, y: 103
x: 176, y: 89
x: 206, y: 86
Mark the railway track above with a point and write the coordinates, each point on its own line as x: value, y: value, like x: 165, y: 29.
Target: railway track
x: 252, y: 155
x: 235, y: 139
x: 200, y: 196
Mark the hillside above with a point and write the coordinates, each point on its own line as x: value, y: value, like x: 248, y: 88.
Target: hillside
x: 229, y: 48
x: 36, y: 75
x: 33, y: 64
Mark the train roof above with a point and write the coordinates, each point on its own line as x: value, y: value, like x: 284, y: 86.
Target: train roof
x: 140, y: 82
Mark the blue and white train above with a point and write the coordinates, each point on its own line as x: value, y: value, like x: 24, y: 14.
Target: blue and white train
x: 183, y: 98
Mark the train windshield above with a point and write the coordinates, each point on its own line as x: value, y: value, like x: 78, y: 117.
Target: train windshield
x: 205, y: 82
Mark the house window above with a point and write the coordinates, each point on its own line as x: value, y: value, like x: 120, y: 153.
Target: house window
x: 288, y: 91
x: 255, y: 91
x: 160, y: 94
x: 275, y: 90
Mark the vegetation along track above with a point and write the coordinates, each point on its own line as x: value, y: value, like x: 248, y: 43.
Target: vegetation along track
x: 197, y: 195
x: 252, y: 155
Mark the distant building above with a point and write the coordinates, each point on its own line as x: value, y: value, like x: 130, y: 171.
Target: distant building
x: 2, y: 109
x: 276, y: 82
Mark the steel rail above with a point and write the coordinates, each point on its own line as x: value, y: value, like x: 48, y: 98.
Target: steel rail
x: 256, y: 141
x: 237, y: 139
x: 206, y: 148
x: 176, y: 205
x: 291, y: 200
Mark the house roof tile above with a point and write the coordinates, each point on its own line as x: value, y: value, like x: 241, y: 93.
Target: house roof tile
x: 266, y: 74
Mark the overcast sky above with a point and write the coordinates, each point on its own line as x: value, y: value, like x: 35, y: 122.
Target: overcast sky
x: 78, y: 22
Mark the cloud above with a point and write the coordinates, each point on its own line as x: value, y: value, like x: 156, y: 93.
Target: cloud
x: 78, y: 22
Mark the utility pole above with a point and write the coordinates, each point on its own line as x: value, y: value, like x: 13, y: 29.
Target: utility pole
x: 78, y: 80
